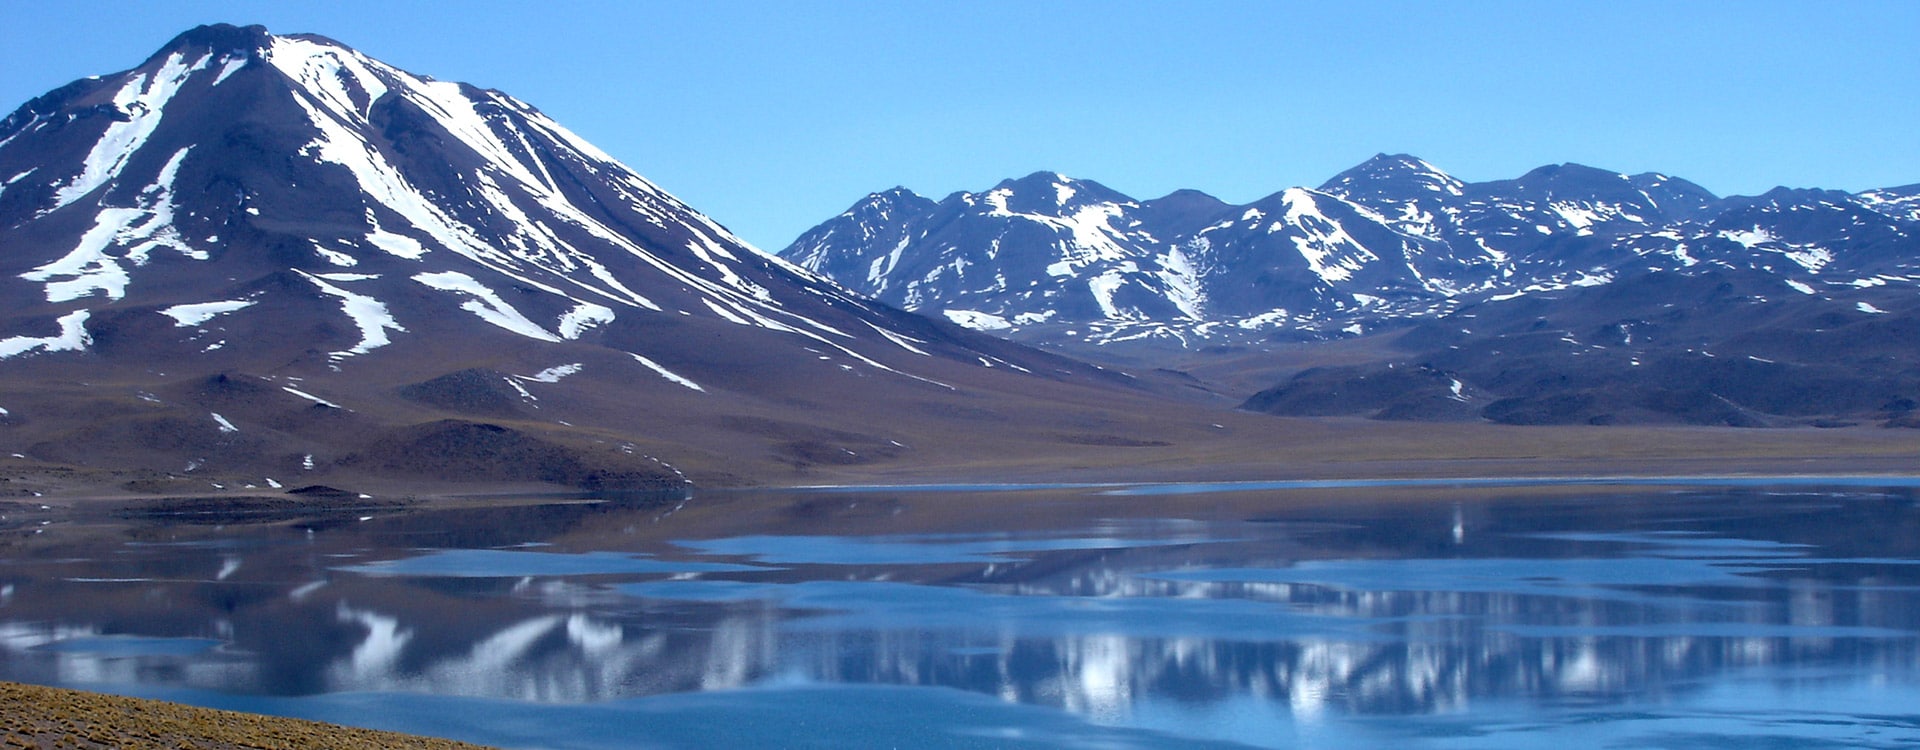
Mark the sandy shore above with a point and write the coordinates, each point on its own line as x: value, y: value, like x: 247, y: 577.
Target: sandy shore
x: 41, y: 717
x: 1332, y: 450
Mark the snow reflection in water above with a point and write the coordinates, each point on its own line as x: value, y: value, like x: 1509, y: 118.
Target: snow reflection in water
x: 1670, y: 619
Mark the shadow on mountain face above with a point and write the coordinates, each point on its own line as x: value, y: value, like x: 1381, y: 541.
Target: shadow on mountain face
x: 1720, y: 348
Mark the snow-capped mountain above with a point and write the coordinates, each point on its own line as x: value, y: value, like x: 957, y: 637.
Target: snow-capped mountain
x: 247, y: 226
x: 1392, y: 239
x: 1045, y: 246
x: 1048, y: 250
x: 295, y: 162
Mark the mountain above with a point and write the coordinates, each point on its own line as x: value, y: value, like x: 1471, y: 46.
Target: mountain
x: 1392, y: 240
x: 1568, y: 295
x: 274, y: 256
x: 1044, y: 245
x: 1073, y: 255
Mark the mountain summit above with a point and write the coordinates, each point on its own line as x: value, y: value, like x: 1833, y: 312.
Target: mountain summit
x: 276, y: 254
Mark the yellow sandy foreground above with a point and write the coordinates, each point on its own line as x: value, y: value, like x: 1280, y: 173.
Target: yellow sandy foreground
x: 42, y: 717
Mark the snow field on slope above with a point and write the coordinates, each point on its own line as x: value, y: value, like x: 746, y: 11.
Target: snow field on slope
x: 188, y: 316
x: 71, y: 338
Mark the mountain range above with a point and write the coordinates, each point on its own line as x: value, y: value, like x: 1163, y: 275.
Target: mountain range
x: 279, y: 259
x: 1051, y: 258
x: 1568, y: 295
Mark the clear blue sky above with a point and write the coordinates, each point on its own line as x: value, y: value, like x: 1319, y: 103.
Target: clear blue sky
x: 774, y: 115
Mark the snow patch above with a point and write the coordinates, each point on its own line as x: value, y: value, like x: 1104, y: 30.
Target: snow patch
x: 525, y: 395
x: 1180, y: 280
x: 977, y: 320
x: 665, y: 373
x: 884, y: 264
x: 225, y: 426
x: 369, y: 315
x: 309, y: 396
x: 1263, y: 320
x: 1332, y: 253
x: 395, y: 244
x: 1811, y: 258
x: 485, y: 303
x: 138, y: 229
x: 554, y: 374
x: 582, y: 318
x: 1799, y: 287
x: 72, y: 338
x: 901, y: 340
x: 1868, y: 308
x: 1748, y: 238
x: 335, y: 257
x: 1581, y: 218
x: 1106, y: 285
x: 143, y: 102
x: 187, y: 316
x: 232, y: 63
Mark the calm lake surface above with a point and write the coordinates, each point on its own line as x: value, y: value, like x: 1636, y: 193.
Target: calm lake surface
x: 1732, y: 615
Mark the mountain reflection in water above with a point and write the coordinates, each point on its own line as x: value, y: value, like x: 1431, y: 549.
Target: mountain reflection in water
x: 1675, y: 618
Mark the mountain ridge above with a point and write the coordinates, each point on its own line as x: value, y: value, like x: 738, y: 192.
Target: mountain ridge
x: 1389, y: 240
x: 1566, y: 295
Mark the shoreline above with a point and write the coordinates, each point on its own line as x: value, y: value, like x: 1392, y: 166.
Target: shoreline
x: 85, y: 498
x: 1240, y: 448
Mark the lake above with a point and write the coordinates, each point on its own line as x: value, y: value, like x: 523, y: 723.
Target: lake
x: 1431, y: 615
